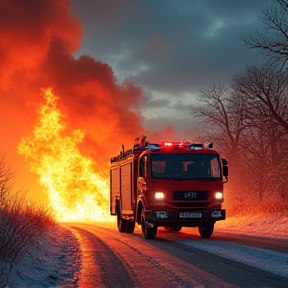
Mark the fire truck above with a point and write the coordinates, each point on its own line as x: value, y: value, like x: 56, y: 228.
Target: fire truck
x: 168, y: 184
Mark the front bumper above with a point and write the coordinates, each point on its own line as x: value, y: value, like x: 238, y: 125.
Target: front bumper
x: 170, y: 217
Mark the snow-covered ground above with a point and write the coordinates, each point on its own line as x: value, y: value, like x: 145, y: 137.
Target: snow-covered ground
x: 258, y: 225
x: 56, y: 260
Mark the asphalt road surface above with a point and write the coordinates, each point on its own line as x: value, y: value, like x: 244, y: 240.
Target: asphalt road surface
x: 178, y: 259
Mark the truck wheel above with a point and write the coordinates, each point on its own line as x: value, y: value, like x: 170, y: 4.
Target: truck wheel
x: 148, y: 232
x: 130, y: 226
x: 121, y: 223
x: 206, y: 230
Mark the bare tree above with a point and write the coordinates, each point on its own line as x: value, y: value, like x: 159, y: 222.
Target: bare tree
x: 248, y: 121
x: 266, y: 95
x: 223, y: 123
x: 274, y: 41
x: 254, y: 156
x: 218, y: 110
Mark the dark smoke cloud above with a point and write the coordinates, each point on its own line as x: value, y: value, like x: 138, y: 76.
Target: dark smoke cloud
x: 92, y: 100
x: 38, y: 39
x: 26, y: 28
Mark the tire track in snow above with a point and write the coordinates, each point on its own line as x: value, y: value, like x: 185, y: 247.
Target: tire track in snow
x: 150, y: 266
x: 100, y: 266
x: 267, y: 260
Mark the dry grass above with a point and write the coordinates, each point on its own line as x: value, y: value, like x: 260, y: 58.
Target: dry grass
x: 21, y: 224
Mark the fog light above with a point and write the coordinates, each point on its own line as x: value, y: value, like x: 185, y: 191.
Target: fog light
x: 216, y: 214
x: 161, y: 214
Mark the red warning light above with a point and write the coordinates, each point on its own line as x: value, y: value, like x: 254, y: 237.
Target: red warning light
x: 182, y: 144
x: 168, y: 144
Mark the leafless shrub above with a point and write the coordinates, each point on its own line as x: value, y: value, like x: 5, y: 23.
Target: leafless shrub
x: 21, y: 224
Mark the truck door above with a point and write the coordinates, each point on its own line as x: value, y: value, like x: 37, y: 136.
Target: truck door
x: 142, y: 179
x: 126, y: 188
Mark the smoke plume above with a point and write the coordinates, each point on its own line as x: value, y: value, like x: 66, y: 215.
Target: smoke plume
x: 38, y: 42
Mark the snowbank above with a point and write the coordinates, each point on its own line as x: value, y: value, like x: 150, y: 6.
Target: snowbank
x: 54, y: 262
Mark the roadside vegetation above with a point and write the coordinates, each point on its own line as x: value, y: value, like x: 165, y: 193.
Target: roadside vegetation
x: 247, y: 119
x: 21, y: 223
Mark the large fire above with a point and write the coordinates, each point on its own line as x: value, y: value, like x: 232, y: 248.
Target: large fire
x: 75, y: 190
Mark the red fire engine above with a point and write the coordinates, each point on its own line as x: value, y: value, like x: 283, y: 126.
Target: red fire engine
x: 168, y: 184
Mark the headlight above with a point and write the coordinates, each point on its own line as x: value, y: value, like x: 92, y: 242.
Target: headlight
x: 219, y: 195
x: 159, y: 195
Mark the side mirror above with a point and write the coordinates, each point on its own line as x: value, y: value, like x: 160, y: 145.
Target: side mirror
x: 225, y: 169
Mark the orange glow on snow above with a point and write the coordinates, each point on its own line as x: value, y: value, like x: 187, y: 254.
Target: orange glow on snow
x: 75, y: 190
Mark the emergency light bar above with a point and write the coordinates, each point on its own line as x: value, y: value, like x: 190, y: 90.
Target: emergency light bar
x: 177, y: 145
x: 196, y: 146
x: 167, y: 144
x: 138, y: 147
x: 152, y: 145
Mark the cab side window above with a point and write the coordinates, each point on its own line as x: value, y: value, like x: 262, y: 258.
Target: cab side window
x: 142, y: 167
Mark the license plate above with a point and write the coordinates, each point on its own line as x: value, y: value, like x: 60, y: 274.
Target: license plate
x: 190, y: 215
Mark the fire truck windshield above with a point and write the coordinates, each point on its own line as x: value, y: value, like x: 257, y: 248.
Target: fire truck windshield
x: 185, y: 166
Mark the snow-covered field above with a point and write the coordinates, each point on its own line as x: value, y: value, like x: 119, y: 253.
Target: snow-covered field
x: 56, y: 260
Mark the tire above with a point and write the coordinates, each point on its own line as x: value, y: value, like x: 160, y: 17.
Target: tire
x: 148, y: 232
x: 121, y: 223
x: 130, y: 226
x: 206, y: 230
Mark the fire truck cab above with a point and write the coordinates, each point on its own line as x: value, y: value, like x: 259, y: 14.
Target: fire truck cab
x: 168, y: 184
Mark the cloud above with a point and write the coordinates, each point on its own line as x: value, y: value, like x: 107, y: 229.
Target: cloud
x: 175, y: 46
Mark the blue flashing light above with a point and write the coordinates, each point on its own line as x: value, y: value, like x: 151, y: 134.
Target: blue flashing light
x: 196, y: 146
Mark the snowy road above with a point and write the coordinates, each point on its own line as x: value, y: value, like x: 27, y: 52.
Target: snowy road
x: 183, y: 259
x: 97, y: 255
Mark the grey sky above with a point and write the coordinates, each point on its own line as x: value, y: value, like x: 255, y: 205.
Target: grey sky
x: 170, y: 48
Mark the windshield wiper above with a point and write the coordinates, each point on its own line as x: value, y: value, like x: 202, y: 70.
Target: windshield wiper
x: 176, y: 178
x: 171, y: 178
x: 205, y: 179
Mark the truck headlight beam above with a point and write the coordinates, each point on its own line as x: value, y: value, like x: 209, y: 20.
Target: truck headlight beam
x: 218, y: 195
x: 159, y: 195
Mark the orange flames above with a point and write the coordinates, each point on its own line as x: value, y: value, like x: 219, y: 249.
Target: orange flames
x: 37, y: 50
x: 75, y: 190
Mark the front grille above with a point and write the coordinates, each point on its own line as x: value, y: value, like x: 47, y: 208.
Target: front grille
x: 190, y: 195
x: 194, y: 204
